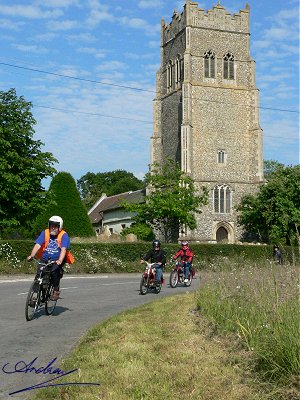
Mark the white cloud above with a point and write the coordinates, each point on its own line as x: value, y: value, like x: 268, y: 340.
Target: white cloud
x: 10, y: 25
x: 93, y: 51
x: 142, y: 24
x: 31, y: 12
x: 111, y: 65
x: 82, y: 37
x: 150, y: 4
x: 33, y: 49
x: 64, y: 25
x: 98, y: 13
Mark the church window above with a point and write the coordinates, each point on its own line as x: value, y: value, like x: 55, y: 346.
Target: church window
x: 228, y: 66
x: 209, y: 64
x: 169, y: 75
x: 221, y: 156
x: 222, y: 199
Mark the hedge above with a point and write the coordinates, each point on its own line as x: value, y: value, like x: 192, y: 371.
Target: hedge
x: 124, y: 257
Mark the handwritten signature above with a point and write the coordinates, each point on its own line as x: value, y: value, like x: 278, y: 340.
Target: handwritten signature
x: 49, y: 369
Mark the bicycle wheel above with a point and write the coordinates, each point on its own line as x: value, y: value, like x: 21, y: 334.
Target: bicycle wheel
x: 49, y: 304
x: 32, y: 301
x: 143, y: 286
x: 173, y: 279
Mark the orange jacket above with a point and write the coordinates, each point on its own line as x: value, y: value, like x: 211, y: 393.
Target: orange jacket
x: 69, y: 257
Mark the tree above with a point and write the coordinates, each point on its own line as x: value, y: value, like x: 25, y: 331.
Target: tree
x: 64, y: 200
x: 270, y: 167
x: 172, y: 201
x: 275, y: 211
x: 23, y: 165
x: 91, y: 186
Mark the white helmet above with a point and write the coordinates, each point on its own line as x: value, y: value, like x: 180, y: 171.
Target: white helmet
x: 56, y: 220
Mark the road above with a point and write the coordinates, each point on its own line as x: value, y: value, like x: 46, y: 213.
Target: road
x: 85, y: 301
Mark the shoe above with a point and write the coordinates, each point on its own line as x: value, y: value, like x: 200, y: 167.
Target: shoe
x: 186, y: 280
x: 55, y: 295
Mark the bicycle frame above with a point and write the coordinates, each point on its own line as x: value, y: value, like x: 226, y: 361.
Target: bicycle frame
x: 40, y: 291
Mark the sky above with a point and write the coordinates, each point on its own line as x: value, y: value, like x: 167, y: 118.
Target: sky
x: 89, y: 69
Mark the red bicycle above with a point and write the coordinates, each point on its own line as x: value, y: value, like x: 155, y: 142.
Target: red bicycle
x: 148, y: 279
x: 177, y: 275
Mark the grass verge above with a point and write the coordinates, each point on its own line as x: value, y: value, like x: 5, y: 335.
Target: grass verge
x: 262, y: 307
x: 162, y: 350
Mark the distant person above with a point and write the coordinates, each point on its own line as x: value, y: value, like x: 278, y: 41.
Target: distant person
x: 52, y: 245
x: 156, y: 255
x: 186, y: 258
x: 277, y: 254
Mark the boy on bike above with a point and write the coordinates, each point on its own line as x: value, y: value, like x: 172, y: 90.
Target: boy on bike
x: 186, y: 258
x: 52, y: 245
x: 157, y: 256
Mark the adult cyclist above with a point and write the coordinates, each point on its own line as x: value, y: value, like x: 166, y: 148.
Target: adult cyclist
x: 52, y: 245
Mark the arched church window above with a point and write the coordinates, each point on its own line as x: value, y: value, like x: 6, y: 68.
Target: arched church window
x: 178, y: 71
x: 169, y: 75
x: 222, y: 199
x: 221, y: 156
x: 228, y: 66
x: 209, y: 64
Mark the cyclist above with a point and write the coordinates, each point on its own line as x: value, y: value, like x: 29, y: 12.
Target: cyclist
x: 186, y: 258
x: 52, y: 245
x: 156, y: 255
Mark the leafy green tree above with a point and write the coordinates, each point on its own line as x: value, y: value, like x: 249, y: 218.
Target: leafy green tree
x: 23, y: 165
x: 271, y: 166
x: 91, y: 186
x: 172, y: 201
x: 275, y: 211
x: 142, y: 231
x: 64, y: 200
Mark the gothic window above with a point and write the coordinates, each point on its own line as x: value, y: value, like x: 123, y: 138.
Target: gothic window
x: 221, y: 156
x: 228, y: 66
x: 178, y: 71
x: 222, y: 199
x: 209, y: 64
x: 169, y: 75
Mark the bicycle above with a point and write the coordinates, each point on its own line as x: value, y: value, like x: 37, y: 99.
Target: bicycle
x: 40, y: 291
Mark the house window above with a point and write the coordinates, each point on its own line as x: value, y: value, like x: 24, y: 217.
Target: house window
x: 209, y: 64
x: 123, y: 226
x: 221, y: 156
x: 228, y: 66
x: 222, y: 199
x: 111, y: 230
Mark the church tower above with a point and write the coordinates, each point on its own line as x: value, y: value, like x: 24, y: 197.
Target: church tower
x: 206, y: 113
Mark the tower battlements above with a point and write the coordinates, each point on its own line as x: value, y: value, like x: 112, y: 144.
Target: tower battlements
x: 217, y: 18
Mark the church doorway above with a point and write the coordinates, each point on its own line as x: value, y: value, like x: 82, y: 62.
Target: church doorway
x: 222, y: 235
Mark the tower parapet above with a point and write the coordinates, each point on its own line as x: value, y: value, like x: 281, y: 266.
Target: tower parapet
x: 217, y: 18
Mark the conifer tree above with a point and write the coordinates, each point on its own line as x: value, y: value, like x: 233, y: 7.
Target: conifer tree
x: 64, y: 200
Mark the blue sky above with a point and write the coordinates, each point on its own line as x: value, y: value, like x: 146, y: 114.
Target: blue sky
x: 79, y: 45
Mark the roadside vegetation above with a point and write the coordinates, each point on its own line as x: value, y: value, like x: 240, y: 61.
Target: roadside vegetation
x: 236, y: 337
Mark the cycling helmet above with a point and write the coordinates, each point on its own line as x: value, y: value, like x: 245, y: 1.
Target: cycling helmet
x: 156, y: 244
x: 56, y: 220
x: 185, y: 245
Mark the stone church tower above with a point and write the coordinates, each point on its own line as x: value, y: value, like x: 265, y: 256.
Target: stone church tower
x: 206, y: 113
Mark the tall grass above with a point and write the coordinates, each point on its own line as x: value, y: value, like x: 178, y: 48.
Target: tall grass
x: 262, y: 306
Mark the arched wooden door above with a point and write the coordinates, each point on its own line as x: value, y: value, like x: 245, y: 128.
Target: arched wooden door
x: 222, y: 235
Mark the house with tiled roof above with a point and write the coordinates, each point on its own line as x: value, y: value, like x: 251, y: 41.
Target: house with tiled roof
x: 109, y: 213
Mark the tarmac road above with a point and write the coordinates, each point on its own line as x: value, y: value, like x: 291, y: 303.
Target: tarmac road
x: 85, y: 300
